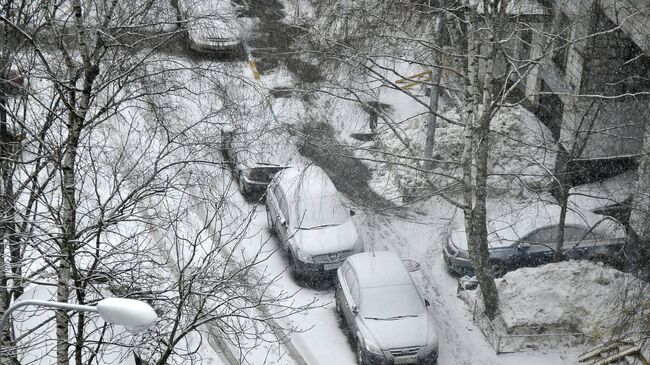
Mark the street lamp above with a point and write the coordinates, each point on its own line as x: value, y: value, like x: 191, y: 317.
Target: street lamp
x: 135, y: 315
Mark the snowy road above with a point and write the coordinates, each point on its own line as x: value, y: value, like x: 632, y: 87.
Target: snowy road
x: 414, y: 233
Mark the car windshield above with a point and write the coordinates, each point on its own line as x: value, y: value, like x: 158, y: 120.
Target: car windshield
x: 391, y: 302
x: 319, y: 212
x: 264, y: 173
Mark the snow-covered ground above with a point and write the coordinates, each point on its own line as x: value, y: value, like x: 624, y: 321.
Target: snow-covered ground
x: 415, y: 232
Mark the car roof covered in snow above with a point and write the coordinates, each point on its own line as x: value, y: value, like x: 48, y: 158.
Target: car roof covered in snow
x: 305, y: 182
x: 508, y: 223
x: 379, y: 269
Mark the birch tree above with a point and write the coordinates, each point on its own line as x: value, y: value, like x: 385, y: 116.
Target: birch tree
x: 471, y: 45
x: 114, y: 133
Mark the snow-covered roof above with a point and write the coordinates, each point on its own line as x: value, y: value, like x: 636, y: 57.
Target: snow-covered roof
x: 513, y: 225
x: 379, y: 268
x: 306, y: 183
x: 211, y: 19
x: 311, y: 196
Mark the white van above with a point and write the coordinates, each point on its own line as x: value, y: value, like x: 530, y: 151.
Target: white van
x: 304, y: 209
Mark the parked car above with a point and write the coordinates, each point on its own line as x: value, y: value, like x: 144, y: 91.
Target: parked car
x: 387, y: 317
x: 13, y: 83
x: 528, y: 237
x: 211, y: 25
x: 304, y: 209
x: 256, y: 156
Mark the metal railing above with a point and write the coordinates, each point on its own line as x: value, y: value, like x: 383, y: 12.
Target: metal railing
x: 505, y: 343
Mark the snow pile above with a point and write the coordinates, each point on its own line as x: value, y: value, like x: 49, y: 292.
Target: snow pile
x: 522, y: 151
x: 573, y: 296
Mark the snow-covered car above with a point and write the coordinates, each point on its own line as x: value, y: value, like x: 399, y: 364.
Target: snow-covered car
x: 256, y: 156
x: 211, y: 25
x: 304, y: 209
x: 528, y: 237
x: 387, y: 317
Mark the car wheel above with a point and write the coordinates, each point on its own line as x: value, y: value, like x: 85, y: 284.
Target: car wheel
x: 294, y: 268
x: 360, y: 360
x: 269, y: 221
x: 337, y: 302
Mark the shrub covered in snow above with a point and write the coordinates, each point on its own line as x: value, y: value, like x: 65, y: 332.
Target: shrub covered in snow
x: 522, y: 152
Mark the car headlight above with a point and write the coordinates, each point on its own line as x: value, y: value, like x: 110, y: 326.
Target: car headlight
x: 432, y: 343
x: 455, y: 251
x: 303, y: 256
x: 432, y: 338
x: 372, y: 346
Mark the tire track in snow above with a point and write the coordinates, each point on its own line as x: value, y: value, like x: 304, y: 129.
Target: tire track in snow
x: 458, y: 334
x: 222, y: 347
x: 278, y: 331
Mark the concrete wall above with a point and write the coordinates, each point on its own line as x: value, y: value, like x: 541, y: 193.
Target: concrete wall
x: 614, y: 65
x: 607, y: 128
x: 634, y: 18
x: 597, y: 66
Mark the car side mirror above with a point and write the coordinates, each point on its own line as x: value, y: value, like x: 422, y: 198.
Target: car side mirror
x: 352, y: 212
x: 355, y: 310
x: 426, y: 303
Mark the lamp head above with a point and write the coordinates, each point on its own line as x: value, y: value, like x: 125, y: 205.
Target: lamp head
x: 135, y: 315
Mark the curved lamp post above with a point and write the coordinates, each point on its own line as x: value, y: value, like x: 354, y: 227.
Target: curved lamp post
x: 135, y: 315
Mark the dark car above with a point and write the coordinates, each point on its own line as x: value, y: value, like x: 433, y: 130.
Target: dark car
x: 387, y: 317
x: 528, y: 237
x: 255, y: 157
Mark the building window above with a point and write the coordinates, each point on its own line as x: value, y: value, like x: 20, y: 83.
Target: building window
x: 562, y: 37
x: 526, y: 43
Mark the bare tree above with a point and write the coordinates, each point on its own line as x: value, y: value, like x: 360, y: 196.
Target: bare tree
x: 471, y: 48
x: 490, y: 55
x: 117, y: 131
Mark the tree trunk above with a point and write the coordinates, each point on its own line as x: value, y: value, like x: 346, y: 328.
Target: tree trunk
x: 475, y: 158
x: 564, y: 200
x: 5, y: 300
x: 67, y: 242
x: 638, y: 247
x: 436, y: 73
